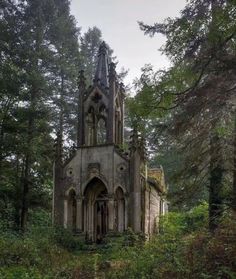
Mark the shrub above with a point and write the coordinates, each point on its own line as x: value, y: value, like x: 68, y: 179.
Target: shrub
x: 34, y: 254
x: 20, y: 272
x: 66, y: 239
x: 17, y: 250
x: 131, y: 238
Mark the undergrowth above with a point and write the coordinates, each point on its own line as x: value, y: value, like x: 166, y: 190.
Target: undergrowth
x: 183, y: 249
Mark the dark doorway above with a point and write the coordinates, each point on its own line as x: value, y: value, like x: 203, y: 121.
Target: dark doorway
x: 100, y: 214
x: 96, y: 211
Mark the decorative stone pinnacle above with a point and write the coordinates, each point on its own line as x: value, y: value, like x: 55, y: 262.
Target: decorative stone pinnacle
x: 134, y: 139
x: 112, y: 71
x: 101, y: 74
x: 137, y: 142
x: 122, y: 87
x: 102, y: 48
x: 122, y: 90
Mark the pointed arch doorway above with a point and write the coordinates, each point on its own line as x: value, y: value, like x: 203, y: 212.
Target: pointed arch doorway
x: 95, y: 210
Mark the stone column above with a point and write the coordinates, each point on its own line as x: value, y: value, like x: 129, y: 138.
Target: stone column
x: 126, y: 213
x: 86, y: 218
x: 90, y: 220
x: 79, y: 214
x: 121, y: 216
x: 65, y: 222
x: 137, y: 212
x: 111, y: 214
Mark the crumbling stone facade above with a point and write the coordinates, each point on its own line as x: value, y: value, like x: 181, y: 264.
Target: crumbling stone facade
x: 102, y: 189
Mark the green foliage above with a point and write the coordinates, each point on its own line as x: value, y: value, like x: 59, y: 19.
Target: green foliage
x: 181, y: 108
x: 66, y: 239
x: 40, y: 253
x: 39, y: 218
x: 179, y: 223
x: 39, y: 51
x: 183, y: 249
x: 20, y: 273
x: 133, y: 239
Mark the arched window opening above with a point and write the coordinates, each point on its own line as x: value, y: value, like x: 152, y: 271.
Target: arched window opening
x: 72, y: 210
x: 91, y: 126
x: 119, y: 210
x: 101, y: 131
x: 102, y: 110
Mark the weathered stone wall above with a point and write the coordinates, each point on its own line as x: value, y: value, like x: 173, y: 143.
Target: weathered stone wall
x: 95, y: 161
x: 101, y: 161
x: 142, y: 208
x: 152, y: 210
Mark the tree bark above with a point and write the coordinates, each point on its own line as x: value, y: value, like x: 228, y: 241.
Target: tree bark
x: 62, y: 101
x: 216, y: 182
x: 27, y: 166
x: 17, y: 193
x: 234, y: 166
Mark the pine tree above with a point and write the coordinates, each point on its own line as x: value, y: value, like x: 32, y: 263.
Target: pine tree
x: 199, y: 90
x: 64, y: 36
x: 39, y: 49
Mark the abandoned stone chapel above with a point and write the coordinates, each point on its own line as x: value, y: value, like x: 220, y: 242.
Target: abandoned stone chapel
x: 102, y: 189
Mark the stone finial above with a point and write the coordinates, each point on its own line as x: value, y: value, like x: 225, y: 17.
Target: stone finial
x: 134, y: 141
x: 138, y: 143
x: 112, y: 71
x: 122, y: 87
x: 122, y: 90
x: 102, y: 48
x: 142, y: 148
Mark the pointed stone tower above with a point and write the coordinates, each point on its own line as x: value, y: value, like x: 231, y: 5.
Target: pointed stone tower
x: 101, y: 113
x: 101, y: 189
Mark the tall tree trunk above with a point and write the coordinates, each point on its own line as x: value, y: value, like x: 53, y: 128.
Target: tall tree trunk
x: 234, y: 166
x: 27, y: 166
x: 216, y: 182
x: 16, y: 203
x: 62, y: 100
x: 34, y: 93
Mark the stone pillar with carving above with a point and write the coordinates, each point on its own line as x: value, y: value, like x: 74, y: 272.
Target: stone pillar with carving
x: 65, y: 219
x: 136, y: 163
x: 79, y: 214
x: 126, y: 212
x: 111, y: 213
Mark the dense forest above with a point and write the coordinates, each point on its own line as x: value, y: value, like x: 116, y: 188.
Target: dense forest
x: 186, y: 114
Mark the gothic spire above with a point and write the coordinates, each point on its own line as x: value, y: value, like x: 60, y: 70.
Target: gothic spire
x: 101, y: 74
